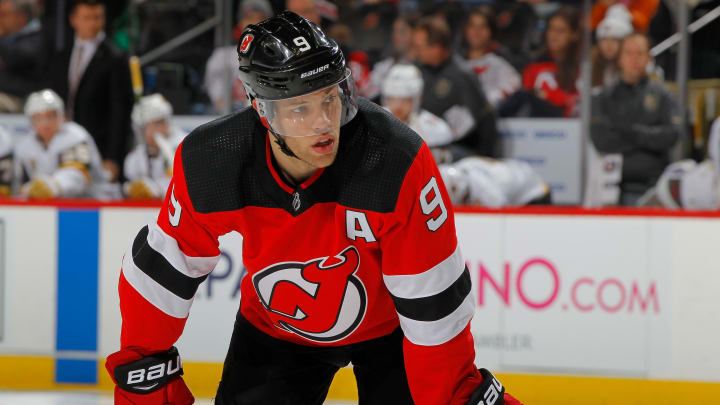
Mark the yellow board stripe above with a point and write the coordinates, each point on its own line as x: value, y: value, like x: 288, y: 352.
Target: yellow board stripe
x: 37, y: 373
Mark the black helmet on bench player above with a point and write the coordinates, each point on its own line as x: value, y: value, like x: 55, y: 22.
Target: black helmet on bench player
x: 285, y: 58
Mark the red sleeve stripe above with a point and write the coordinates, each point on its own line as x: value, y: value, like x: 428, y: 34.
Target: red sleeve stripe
x: 435, y: 333
x: 430, y: 282
x: 168, y: 247
x: 160, y: 297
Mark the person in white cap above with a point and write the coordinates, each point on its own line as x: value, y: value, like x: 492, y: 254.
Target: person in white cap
x: 58, y: 158
x: 148, y: 167
x: 610, y: 32
x: 401, y: 95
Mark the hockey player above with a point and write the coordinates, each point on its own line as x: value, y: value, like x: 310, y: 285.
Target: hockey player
x: 58, y: 158
x: 6, y: 163
x: 401, y: 93
x: 348, y: 238
x: 689, y: 185
x: 148, y: 167
x: 494, y: 183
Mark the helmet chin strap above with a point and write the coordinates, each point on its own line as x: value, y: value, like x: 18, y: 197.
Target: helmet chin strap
x: 283, y: 145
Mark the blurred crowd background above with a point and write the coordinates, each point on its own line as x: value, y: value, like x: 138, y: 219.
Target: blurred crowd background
x: 647, y: 98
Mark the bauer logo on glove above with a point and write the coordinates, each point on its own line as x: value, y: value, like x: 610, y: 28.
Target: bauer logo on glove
x: 149, y: 373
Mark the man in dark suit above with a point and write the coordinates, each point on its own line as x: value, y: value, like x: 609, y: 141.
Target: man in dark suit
x: 93, y: 77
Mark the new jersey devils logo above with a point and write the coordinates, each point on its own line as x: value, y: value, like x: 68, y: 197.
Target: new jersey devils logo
x: 245, y: 45
x: 321, y: 300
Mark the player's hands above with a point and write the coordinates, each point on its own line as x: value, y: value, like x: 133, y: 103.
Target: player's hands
x: 41, y: 189
x: 140, y: 190
x: 158, y: 374
x: 490, y: 391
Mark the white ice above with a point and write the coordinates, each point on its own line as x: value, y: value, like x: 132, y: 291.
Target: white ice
x: 81, y: 398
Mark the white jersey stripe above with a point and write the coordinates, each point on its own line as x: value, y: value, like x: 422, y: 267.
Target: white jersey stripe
x: 429, y: 282
x: 168, y: 247
x: 153, y: 292
x: 438, y: 332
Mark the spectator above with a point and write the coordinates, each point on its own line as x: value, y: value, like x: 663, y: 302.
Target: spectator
x: 20, y: 52
x: 222, y: 66
x: 497, y: 77
x: 357, y: 59
x: 640, y: 12
x: 638, y: 118
x: 550, y: 82
x: 58, y: 158
x: 610, y: 33
x: 401, y: 95
x: 519, y: 29
x: 7, y: 167
x: 148, y: 168
x: 452, y: 93
x: 306, y: 8
x: 399, y: 52
x: 94, y: 77
x: 371, y: 23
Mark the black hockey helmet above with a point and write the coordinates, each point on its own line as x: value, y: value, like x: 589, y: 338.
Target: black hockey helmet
x: 287, y: 56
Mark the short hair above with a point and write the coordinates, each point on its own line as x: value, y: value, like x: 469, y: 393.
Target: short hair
x: 27, y: 7
x: 636, y: 34
x: 489, y: 15
x: 438, y: 32
x: 90, y: 3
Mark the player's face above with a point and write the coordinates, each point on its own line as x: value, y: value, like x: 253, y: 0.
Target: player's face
x: 309, y: 115
x: 477, y: 32
x: 155, y: 127
x: 310, y: 125
x: 46, y: 124
x: 400, y: 107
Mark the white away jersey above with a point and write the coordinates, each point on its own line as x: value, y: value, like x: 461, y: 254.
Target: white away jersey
x: 494, y: 183
x: 71, y: 160
x: 497, y: 77
x: 154, y: 171
x: 433, y: 129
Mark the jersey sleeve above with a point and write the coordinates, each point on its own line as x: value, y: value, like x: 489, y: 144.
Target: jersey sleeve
x: 163, y: 268
x: 429, y: 282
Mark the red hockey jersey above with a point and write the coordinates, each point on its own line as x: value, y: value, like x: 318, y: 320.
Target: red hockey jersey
x: 362, y: 246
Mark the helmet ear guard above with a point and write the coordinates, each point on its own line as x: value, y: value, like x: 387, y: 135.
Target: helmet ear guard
x: 278, y: 139
x: 260, y: 113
